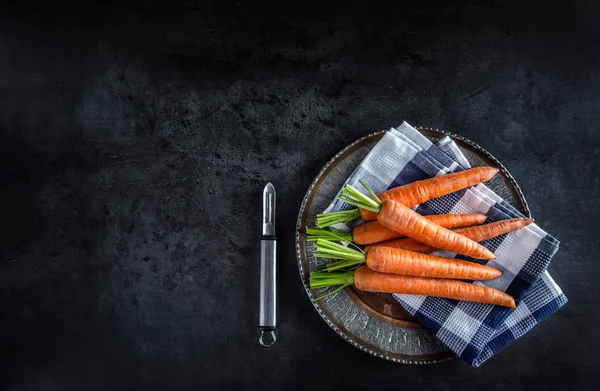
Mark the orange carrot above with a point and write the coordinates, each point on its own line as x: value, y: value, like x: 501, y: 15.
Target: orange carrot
x: 405, y: 244
x: 369, y: 280
x: 413, y: 194
x: 418, y: 192
x: 399, y: 218
x: 404, y: 220
x: 373, y: 232
x: 491, y: 230
x: 457, y: 220
x: 372, y: 281
x: 408, y: 263
x: 478, y: 234
x: 398, y: 261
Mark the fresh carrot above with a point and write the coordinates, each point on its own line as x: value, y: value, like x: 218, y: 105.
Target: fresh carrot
x: 405, y: 244
x: 456, y: 220
x: 369, y: 280
x: 478, y: 234
x: 398, y: 261
x: 408, y: 263
x: 491, y: 230
x: 373, y: 232
x: 414, y: 193
x: 420, y: 191
x: 399, y: 218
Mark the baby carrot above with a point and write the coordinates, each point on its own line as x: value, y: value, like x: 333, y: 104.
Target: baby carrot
x: 478, y: 234
x: 414, y: 193
x: 369, y: 280
x: 373, y: 232
x: 399, y: 218
x: 397, y: 261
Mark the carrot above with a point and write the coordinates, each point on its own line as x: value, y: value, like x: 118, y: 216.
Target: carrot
x: 373, y: 232
x: 414, y: 193
x: 406, y: 221
x: 478, y: 234
x: 457, y: 220
x: 491, y: 230
x: 418, y: 192
x: 399, y: 218
x: 408, y: 263
x: 397, y: 261
x: 405, y: 244
x: 368, y: 280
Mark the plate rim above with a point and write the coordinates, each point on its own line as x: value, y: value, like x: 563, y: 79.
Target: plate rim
x: 422, y: 360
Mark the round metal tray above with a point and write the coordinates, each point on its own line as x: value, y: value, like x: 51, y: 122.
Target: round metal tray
x: 376, y: 323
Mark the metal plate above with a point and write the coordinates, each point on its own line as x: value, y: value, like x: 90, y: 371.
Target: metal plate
x: 372, y: 322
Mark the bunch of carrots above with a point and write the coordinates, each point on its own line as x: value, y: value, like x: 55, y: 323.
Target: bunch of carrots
x: 398, y: 241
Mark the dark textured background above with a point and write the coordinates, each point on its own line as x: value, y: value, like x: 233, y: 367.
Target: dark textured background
x: 136, y: 139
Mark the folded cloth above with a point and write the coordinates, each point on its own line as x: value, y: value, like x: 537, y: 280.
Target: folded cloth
x: 474, y: 331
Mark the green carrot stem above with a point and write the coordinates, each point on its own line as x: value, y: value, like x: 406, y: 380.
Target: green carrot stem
x: 328, y: 219
x: 343, y: 265
x: 315, y: 233
x: 328, y: 249
x: 324, y: 280
x: 317, y: 275
x: 354, y: 197
x: 331, y: 293
x: 332, y: 279
x: 327, y: 244
x: 336, y: 246
x: 331, y: 255
x: 373, y: 195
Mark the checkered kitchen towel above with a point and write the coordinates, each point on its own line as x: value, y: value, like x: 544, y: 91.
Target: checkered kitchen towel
x: 474, y: 331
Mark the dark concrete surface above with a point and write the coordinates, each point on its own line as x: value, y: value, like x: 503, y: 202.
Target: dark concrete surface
x: 136, y: 139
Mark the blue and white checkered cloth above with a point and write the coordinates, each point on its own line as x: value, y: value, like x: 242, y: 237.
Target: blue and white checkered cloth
x: 474, y: 331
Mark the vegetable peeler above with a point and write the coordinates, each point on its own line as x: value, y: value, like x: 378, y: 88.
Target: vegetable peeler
x: 267, y: 320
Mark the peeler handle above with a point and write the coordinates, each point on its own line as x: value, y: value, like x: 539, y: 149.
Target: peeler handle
x: 267, y: 321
